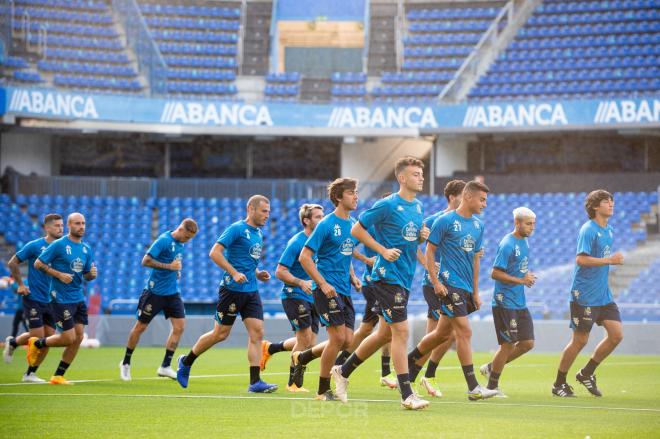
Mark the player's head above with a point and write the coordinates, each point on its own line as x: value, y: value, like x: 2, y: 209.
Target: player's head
x: 344, y: 191
x: 599, y: 202
x: 474, y: 196
x: 258, y: 210
x: 310, y: 215
x: 75, y: 222
x: 186, y: 230
x: 524, y: 220
x: 409, y: 172
x: 54, y: 225
x: 454, y: 193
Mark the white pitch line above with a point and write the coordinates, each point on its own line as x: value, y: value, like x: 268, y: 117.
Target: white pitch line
x: 282, y: 398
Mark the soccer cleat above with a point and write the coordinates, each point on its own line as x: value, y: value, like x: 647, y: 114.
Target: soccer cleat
x: 8, y: 351
x: 563, y: 391
x: 588, y: 381
x: 124, y: 371
x: 341, y: 383
x: 59, y: 379
x: 414, y: 402
x: 499, y: 393
x: 33, y: 352
x: 295, y: 389
x: 166, y: 372
x: 32, y: 378
x: 182, y: 373
x: 485, y: 370
x: 389, y: 381
x: 262, y: 387
x: 327, y: 396
x: 480, y: 392
x: 431, y: 387
x: 265, y: 356
x: 298, y: 370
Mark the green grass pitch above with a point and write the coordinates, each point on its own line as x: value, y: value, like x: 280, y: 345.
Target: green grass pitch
x: 216, y: 403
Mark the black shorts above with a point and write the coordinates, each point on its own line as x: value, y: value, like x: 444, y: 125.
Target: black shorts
x: 512, y: 325
x: 38, y: 313
x: 371, y: 308
x: 301, y: 314
x: 232, y: 303
x: 150, y: 304
x: 67, y: 315
x: 457, y: 303
x: 335, y: 311
x: 433, y: 301
x: 583, y: 317
x: 393, y: 301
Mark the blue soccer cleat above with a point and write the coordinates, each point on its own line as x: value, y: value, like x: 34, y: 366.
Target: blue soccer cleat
x: 182, y: 373
x: 262, y: 387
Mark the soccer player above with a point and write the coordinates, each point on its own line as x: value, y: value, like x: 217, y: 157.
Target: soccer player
x: 332, y: 245
x: 513, y: 323
x: 296, y: 296
x: 67, y: 261
x: 36, y: 297
x: 591, y: 297
x: 454, y: 194
x: 238, y: 252
x: 398, y: 222
x: 161, y: 293
x: 455, y: 240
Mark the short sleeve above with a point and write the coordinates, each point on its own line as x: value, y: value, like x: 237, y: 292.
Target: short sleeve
x: 290, y: 255
x: 502, y: 257
x: 437, y: 230
x: 48, y: 255
x: 585, y: 241
x: 317, y: 237
x: 156, y: 248
x: 378, y: 212
x: 26, y: 252
x: 228, y: 236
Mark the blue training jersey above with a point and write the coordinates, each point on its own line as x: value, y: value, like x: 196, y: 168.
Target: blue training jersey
x: 69, y: 257
x: 458, y: 239
x: 332, y: 243
x: 164, y: 249
x: 513, y: 259
x: 397, y: 223
x: 289, y: 259
x: 369, y: 253
x: 38, y: 281
x: 428, y: 222
x: 243, y: 244
x: 590, y: 286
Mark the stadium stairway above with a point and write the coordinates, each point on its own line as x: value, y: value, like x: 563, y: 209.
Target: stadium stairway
x: 636, y: 262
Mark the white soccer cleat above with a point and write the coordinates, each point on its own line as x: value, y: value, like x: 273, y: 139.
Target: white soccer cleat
x: 32, y: 378
x: 8, y: 351
x: 480, y: 392
x: 414, y: 402
x: 389, y: 381
x: 341, y: 384
x: 431, y: 387
x: 125, y: 371
x: 500, y: 394
x: 485, y: 370
x: 166, y: 372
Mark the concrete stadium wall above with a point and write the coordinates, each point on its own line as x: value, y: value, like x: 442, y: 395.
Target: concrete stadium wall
x: 551, y: 335
x: 26, y: 152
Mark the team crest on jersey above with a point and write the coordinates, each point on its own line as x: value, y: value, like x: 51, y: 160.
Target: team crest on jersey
x: 232, y: 308
x: 419, y: 208
x: 346, y: 247
x: 84, y: 249
x: 68, y: 249
x: 468, y: 243
x: 410, y: 232
x: 524, y: 265
x: 255, y: 251
x: 398, y: 298
x: 33, y: 312
x: 77, y: 265
x: 513, y: 324
x: 301, y: 309
x: 477, y: 225
x: 332, y: 304
x: 587, y: 311
x: 66, y: 314
x: 247, y: 233
x: 336, y: 230
x: 500, y: 297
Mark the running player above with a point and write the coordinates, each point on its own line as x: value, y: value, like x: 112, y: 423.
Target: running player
x: 238, y: 252
x: 591, y: 297
x: 67, y: 261
x: 513, y: 322
x: 161, y: 293
x: 36, y: 297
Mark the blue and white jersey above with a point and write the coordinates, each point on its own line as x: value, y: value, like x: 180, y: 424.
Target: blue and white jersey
x: 513, y: 259
x: 428, y: 222
x: 164, y: 249
x: 590, y: 286
x: 332, y: 243
x: 289, y: 259
x: 397, y: 223
x: 458, y: 239
x: 243, y: 244
x: 70, y: 257
x: 38, y: 281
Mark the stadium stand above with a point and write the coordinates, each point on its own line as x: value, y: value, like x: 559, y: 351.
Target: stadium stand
x: 282, y: 87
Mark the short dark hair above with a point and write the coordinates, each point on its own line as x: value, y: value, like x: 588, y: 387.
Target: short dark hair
x: 189, y: 225
x: 336, y: 188
x: 475, y: 186
x: 306, y: 210
x: 406, y: 161
x: 255, y: 200
x: 594, y: 199
x: 455, y: 188
x: 51, y: 217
